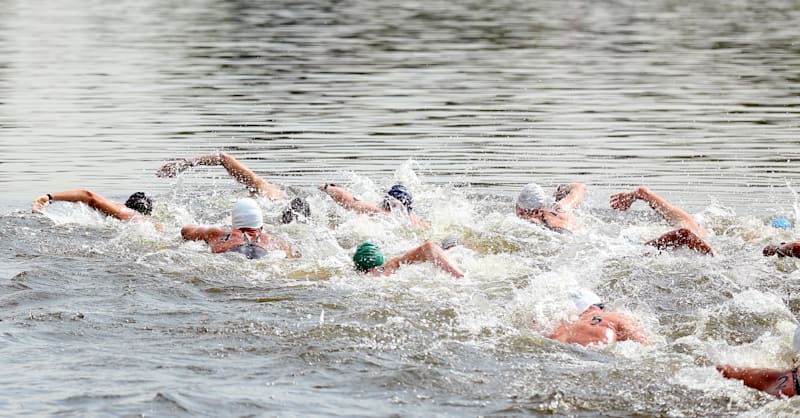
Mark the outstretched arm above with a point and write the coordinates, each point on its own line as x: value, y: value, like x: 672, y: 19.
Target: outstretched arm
x: 425, y: 252
x: 570, y: 196
x: 346, y: 199
x: 791, y: 249
x: 681, y: 237
x: 774, y: 382
x: 676, y: 216
x: 202, y: 233
x: 93, y: 200
x: 236, y: 169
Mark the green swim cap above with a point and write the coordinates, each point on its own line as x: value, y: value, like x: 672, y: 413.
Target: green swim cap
x: 367, y: 256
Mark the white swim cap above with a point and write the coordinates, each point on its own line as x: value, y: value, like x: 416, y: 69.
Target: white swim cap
x: 533, y: 197
x: 246, y: 214
x: 796, y: 340
x: 583, y: 298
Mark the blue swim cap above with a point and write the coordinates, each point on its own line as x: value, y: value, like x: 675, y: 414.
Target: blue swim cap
x: 399, y: 192
x: 781, y: 223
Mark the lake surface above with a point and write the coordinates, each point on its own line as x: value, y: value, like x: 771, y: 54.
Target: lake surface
x: 464, y: 102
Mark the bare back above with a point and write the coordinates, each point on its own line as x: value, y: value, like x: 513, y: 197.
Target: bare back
x: 597, y: 327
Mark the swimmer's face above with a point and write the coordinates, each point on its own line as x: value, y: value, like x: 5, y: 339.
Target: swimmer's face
x: 534, y: 215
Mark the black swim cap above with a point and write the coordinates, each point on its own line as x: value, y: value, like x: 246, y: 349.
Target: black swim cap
x: 295, y: 209
x: 141, y: 203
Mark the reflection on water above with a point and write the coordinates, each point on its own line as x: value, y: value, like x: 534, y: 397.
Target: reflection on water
x: 699, y: 100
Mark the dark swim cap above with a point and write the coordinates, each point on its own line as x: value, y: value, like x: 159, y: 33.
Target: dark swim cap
x: 140, y: 202
x: 296, y: 209
x: 367, y: 256
x: 399, y: 192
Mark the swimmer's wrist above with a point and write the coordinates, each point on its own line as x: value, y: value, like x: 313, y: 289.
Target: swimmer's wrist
x: 49, y: 198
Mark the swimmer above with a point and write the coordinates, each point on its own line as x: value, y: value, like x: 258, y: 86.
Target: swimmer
x: 595, y: 326
x: 255, y: 184
x: 136, y: 209
x: 777, y: 383
x: 784, y: 249
x: 556, y: 214
x: 397, y: 197
x: 689, y: 233
x: 369, y: 259
x: 246, y: 237
x: 297, y: 210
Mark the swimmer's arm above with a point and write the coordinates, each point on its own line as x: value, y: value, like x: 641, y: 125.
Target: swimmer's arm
x: 91, y: 199
x: 202, y: 233
x: 791, y: 249
x: 236, y: 169
x: 571, y: 196
x: 627, y: 329
x: 417, y: 222
x: 775, y: 382
x: 428, y: 251
x: 346, y: 199
x: 286, y: 248
x: 674, y: 215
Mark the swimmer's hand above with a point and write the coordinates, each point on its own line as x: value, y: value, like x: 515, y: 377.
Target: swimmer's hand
x: 173, y: 168
x: 325, y: 186
x: 562, y: 191
x: 623, y: 201
x: 40, y: 203
x: 773, y: 249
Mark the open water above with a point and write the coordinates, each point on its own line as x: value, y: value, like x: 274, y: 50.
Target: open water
x: 463, y: 101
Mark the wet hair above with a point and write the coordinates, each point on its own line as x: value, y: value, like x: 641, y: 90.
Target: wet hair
x: 140, y: 202
x: 297, y: 210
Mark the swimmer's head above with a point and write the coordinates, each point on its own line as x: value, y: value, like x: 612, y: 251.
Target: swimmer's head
x: 400, y: 193
x: 584, y: 298
x: 781, y: 223
x: 297, y: 210
x: 533, y: 197
x: 367, y: 256
x: 449, y: 242
x: 246, y: 214
x: 141, y: 203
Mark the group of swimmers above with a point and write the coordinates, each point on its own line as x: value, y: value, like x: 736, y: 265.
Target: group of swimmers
x: 594, y: 325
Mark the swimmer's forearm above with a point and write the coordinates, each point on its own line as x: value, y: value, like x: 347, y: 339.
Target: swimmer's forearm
x: 791, y: 249
x: 676, y: 216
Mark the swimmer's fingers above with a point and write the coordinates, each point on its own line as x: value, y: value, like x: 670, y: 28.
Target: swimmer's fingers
x: 325, y: 186
x: 173, y: 168
x: 622, y: 201
x: 769, y: 250
x: 562, y: 191
x: 40, y: 203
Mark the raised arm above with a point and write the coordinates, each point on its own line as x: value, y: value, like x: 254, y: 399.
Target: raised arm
x: 202, y: 233
x: 425, y: 252
x: 676, y: 216
x: 93, y: 200
x: 570, y: 196
x: 791, y: 249
x: 346, y: 199
x: 236, y: 169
